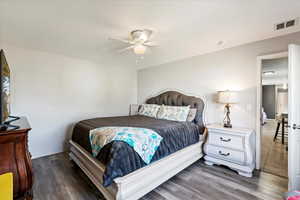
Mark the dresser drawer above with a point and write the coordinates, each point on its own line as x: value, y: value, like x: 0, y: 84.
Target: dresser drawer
x: 226, y: 140
x: 225, y: 154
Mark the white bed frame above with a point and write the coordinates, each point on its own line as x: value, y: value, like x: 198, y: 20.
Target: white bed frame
x: 140, y: 182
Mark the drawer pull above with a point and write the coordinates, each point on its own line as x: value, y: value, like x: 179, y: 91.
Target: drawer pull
x: 224, y: 154
x: 224, y: 140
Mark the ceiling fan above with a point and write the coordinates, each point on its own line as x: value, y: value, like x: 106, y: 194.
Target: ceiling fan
x: 139, y: 41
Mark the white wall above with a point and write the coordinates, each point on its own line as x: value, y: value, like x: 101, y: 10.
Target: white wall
x: 55, y: 91
x: 282, y: 102
x: 233, y: 68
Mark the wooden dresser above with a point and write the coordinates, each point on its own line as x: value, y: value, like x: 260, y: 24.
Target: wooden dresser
x: 15, y: 158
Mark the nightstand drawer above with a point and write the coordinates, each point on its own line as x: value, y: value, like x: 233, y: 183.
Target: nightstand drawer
x: 226, y: 140
x: 225, y: 154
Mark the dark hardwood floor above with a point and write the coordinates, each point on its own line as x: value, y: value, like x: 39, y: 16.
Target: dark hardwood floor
x: 56, y: 178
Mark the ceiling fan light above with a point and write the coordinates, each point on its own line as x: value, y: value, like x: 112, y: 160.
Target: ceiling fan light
x: 139, y: 49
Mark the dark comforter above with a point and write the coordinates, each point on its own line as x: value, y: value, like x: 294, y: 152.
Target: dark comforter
x: 119, y: 158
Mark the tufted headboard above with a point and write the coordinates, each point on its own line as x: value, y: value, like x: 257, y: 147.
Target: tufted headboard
x: 173, y: 98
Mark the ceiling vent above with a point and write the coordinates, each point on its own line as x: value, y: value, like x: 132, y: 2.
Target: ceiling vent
x: 286, y: 24
x: 290, y: 23
x: 280, y: 26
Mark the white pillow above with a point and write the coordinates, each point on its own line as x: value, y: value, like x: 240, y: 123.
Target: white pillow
x: 149, y: 110
x: 174, y: 113
x: 192, y: 114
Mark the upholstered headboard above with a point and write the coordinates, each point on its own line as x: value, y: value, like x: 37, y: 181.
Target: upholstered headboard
x: 173, y: 98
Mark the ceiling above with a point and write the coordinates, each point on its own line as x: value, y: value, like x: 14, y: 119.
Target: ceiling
x: 183, y: 28
x: 280, y: 69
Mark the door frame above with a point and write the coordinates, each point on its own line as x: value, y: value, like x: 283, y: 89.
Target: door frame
x: 259, y: 60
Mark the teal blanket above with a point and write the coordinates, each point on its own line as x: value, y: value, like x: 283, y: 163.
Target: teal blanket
x: 144, y: 141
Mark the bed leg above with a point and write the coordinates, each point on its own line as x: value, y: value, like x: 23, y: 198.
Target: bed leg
x: 208, y: 163
x: 73, y: 163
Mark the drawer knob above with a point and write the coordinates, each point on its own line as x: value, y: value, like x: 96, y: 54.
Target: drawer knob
x: 224, y: 140
x: 224, y: 154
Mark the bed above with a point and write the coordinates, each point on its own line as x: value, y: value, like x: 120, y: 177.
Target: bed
x: 117, y: 171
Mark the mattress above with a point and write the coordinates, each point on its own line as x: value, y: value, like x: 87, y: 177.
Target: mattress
x: 119, y: 158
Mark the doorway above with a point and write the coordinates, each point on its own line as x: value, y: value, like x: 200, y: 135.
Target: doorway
x: 274, y: 116
x: 293, y: 116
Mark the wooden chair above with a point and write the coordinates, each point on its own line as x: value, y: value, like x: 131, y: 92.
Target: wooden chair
x: 6, y: 186
x: 283, y: 121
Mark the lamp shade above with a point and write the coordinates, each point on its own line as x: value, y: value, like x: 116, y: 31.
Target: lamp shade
x: 227, y: 97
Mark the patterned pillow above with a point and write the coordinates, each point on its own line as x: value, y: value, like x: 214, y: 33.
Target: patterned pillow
x: 174, y: 113
x: 149, y: 110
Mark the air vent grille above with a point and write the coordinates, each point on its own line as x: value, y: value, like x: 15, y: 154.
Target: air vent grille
x: 280, y: 26
x: 286, y: 24
x: 290, y: 23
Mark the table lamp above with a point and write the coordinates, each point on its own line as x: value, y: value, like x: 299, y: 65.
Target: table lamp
x: 227, y: 97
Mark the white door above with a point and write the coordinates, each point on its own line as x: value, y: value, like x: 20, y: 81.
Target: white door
x: 294, y: 117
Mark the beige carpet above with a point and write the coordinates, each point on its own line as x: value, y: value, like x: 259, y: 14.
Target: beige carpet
x: 274, y: 154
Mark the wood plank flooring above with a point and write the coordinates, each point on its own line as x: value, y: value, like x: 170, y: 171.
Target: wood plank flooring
x: 274, y: 154
x: 56, y: 178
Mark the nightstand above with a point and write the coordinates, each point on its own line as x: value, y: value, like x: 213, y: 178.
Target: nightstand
x: 232, y: 147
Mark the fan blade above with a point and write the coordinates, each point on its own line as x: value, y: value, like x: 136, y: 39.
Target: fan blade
x: 150, y: 44
x: 125, y: 49
x: 121, y: 40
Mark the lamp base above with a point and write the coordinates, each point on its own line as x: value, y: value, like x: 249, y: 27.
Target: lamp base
x: 228, y: 125
x: 227, y: 121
